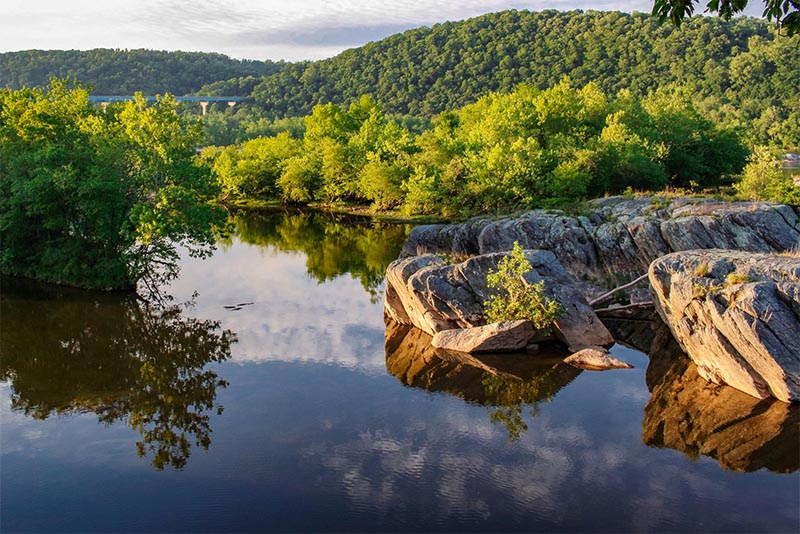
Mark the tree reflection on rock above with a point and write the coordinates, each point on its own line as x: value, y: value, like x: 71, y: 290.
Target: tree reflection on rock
x: 117, y: 356
x: 504, y: 383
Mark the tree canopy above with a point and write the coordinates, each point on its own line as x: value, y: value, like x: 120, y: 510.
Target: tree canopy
x: 740, y: 72
x: 519, y: 149
x: 125, y: 72
x: 97, y: 199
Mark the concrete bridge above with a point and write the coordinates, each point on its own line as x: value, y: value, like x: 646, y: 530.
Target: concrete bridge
x: 202, y: 100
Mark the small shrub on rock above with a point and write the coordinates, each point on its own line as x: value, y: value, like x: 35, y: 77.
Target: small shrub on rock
x: 516, y: 298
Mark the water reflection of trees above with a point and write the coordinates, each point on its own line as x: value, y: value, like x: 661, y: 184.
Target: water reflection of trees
x: 69, y: 351
x: 506, y: 384
x: 688, y: 414
x: 334, y: 244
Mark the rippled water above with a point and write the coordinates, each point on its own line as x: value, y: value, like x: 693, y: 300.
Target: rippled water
x: 279, y: 401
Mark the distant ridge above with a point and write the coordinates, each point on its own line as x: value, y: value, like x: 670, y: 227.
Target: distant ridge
x: 124, y: 72
x: 740, y: 72
x: 428, y: 70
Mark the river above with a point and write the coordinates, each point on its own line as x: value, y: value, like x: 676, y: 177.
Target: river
x: 269, y: 395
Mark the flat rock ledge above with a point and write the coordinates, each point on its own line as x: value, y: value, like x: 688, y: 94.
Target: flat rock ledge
x: 595, y: 359
x: 427, y: 292
x: 737, y: 315
x: 495, y: 337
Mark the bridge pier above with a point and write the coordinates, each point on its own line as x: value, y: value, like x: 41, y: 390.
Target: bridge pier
x: 204, y: 101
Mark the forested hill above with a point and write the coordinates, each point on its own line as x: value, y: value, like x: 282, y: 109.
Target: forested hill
x: 429, y: 70
x: 114, y: 72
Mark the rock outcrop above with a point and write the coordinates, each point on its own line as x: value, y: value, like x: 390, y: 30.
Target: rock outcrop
x: 620, y: 237
x: 737, y: 316
x: 736, y: 313
x: 495, y: 337
x: 433, y: 296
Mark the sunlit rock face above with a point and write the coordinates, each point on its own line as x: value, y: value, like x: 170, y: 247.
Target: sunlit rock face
x: 432, y: 295
x: 619, y: 237
x: 595, y: 359
x: 494, y: 337
x: 742, y: 433
x: 737, y: 315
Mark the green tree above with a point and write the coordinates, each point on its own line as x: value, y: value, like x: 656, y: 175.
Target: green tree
x: 764, y: 179
x: 124, y: 72
x: 300, y: 179
x: 784, y: 12
x: 96, y: 199
x: 251, y: 170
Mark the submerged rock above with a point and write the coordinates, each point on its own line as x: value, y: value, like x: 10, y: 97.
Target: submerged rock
x: 737, y: 316
x: 595, y: 359
x: 495, y: 337
x: 426, y: 292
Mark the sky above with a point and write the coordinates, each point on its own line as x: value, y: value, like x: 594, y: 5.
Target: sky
x: 249, y: 29
x: 291, y: 30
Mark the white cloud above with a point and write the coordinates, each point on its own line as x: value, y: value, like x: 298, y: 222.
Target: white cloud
x: 303, y: 29
x: 292, y: 318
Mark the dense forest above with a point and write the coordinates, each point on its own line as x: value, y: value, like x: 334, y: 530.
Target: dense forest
x: 99, y: 199
x: 124, y: 72
x: 506, y: 151
x: 739, y: 71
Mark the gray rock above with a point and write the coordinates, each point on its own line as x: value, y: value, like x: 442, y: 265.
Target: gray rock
x: 452, y: 239
x: 595, y: 359
x: 737, y: 315
x: 495, y: 337
x: 433, y: 296
x: 621, y: 236
x: 400, y: 303
x: 566, y: 237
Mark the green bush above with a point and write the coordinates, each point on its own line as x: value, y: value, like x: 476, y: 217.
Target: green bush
x: 763, y: 179
x: 516, y: 299
x: 99, y: 199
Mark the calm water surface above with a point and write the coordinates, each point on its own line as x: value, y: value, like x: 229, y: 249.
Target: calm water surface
x: 277, y: 400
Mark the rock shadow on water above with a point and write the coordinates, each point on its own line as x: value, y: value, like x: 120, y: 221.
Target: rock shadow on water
x: 116, y: 356
x: 688, y: 414
x: 504, y: 383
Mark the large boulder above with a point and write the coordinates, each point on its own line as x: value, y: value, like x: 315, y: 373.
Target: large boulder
x: 737, y: 315
x: 495, y: 337
x: 432, y: 295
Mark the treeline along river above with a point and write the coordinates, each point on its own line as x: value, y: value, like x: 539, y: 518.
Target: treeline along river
x: 270, y: 395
